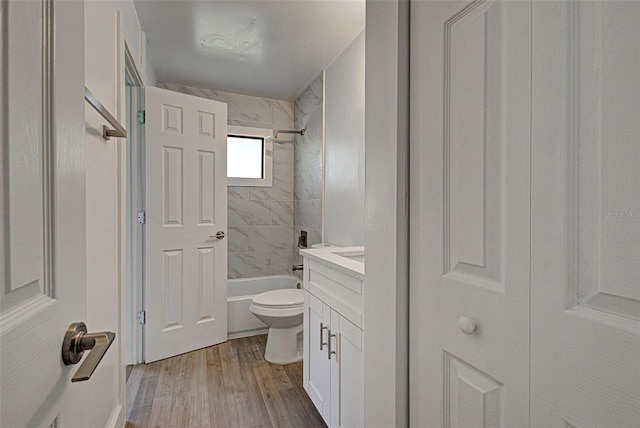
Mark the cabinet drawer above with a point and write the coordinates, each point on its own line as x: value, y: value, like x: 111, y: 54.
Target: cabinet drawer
x: 342, y: 292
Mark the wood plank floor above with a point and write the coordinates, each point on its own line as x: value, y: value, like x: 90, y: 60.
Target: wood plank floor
x: 227, y: 385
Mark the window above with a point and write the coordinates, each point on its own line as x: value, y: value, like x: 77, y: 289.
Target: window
x: 245, y: 156
x: 249, y: 157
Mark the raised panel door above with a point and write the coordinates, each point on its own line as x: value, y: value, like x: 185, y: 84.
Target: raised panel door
x: 42, y: 211
x: 469, y: 213
x: 186, y: 198
x: 585, y: 280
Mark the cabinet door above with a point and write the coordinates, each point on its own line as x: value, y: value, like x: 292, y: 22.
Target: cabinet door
x: 317, y: 376
x: 347, y: 373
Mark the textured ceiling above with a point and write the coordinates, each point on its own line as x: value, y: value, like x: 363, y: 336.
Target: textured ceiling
x: 263, y: 48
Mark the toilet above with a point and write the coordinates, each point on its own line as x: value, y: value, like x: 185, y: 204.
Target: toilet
x: 282, y: 311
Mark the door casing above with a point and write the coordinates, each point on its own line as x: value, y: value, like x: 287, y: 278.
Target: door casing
x: 131, y: 173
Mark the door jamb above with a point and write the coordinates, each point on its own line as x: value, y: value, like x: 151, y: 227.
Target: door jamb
x: 132, y: 196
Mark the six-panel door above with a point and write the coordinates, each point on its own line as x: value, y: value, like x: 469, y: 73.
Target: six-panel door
x: 186, y: 205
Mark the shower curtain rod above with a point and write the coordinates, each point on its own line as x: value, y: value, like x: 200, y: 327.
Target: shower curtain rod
x: 287, y: 131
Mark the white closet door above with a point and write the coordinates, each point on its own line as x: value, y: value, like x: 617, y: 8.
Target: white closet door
x: 186, y: 203
x: 585, y: 283
x: 470, y: 80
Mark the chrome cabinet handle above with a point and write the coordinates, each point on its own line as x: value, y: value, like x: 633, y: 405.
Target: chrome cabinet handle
x: 76, y: 341
x: 329, y: 351
x: 219, y: 234
x: 322, y: 327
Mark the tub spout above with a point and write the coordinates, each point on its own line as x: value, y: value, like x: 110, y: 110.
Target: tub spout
x: 297, y: 267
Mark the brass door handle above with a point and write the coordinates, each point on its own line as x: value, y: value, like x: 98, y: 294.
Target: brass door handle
x: 220, y: 234
x: 76, y: 341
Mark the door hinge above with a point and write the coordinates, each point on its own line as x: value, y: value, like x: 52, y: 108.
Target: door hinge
x: 141, y: 116
x: 142, y: 317
x: 142, y: 217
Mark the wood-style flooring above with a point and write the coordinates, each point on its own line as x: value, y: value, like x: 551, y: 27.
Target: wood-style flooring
x: 227, y: 385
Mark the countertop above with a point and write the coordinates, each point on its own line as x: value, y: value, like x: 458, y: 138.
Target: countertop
x: 344, y: 259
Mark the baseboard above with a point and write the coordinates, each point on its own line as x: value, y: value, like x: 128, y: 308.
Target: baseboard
x: 117, y: 417
x: 249, y: 333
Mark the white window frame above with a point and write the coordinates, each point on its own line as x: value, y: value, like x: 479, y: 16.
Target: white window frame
x: 267, y: 180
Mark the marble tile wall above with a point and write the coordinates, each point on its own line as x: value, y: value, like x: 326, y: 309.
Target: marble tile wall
x: 307, y: 193
x: 244, y: 110
x: 260, y: 219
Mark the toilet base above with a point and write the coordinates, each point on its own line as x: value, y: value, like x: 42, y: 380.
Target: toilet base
x: 282, y: 345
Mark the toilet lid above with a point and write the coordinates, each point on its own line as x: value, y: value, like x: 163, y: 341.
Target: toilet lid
x: 285, y: 298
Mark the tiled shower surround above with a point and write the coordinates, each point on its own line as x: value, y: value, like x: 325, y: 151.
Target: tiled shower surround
x: 308, y: 164
x: 260, y: 219
x: 263, y: 229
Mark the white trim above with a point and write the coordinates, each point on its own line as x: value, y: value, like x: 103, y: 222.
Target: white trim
x: 122, y: 229
x: 116, y: 419
x: 267, y: 181
x: 386, y: 372
x: 131, y: 246
x: 324, y: 151
x: 249, y: 333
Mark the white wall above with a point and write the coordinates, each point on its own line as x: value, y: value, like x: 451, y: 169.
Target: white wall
x: 345, y: 157
x: 386, y: 217
x: 104, y: 76
x: 101, y: 75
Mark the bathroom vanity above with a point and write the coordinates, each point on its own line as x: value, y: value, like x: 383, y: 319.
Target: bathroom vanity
x: 334, y: 328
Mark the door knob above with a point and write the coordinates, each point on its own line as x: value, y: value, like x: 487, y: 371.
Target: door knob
x: 76, y: 341
x: 220, y: 234
x: 467, y: 325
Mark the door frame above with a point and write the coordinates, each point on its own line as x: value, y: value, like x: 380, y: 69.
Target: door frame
x: 386, y: 366
x: 132, y: 180
x: 130, y: 244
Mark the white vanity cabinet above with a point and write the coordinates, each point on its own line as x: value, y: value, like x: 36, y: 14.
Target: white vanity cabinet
x: 333, y: 336
x: 317, y: 365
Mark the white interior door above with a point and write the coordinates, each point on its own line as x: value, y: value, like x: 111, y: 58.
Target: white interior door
x: 470, y: 79
x: 186, y: 203
x: 42, y: 211
x: 585, y: 283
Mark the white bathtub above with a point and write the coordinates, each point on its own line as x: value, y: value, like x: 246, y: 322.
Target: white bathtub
x: 242, y: 322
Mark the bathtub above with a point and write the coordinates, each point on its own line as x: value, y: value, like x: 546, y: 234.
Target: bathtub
x: 242, y: 322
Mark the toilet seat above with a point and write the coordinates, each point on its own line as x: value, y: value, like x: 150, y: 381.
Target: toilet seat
x: 288, y: 298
